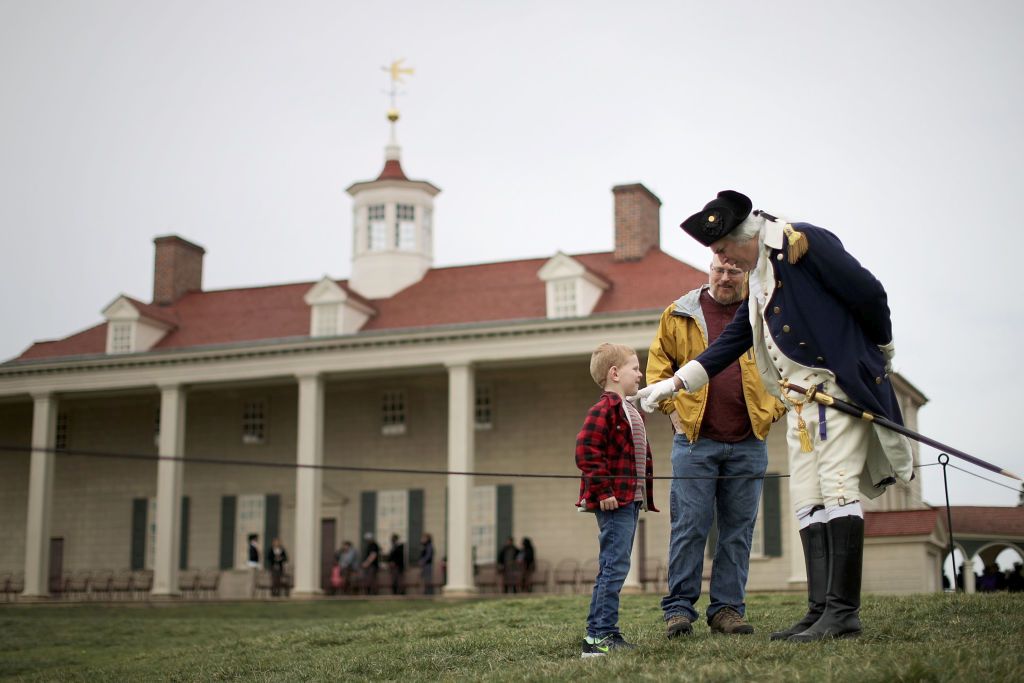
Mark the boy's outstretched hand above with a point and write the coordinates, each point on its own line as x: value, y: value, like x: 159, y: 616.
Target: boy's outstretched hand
x: 609, y: 504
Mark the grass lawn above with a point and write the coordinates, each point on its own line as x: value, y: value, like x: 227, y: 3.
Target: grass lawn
x: 920, y: 638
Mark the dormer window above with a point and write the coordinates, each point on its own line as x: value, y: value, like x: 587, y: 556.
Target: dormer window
x: 565, y: 299
x: 405, y: 226
x: 333, y: 310
x: 325, y: 320
x: 571, y: 290
x: 377, y: 237
x: 133, y: 326
x: 121, y: 337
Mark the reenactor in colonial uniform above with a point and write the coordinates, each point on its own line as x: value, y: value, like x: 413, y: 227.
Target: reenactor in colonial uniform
x: 816, y: 319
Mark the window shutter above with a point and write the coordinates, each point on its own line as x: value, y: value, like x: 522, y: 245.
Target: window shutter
x: 503, y: 517
x: 367, y: 517
x: 271, y: 524
x: 772, y: 517
x: 140, y: 506
x: 227, y: 532
x: 183, y: 549
x: 415, y: 525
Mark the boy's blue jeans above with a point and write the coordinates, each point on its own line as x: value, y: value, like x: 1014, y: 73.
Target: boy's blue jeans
x: 616, y: 530
x: 692, y: 503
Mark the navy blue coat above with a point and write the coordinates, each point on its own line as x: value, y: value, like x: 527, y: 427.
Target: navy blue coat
x: 826, y: 311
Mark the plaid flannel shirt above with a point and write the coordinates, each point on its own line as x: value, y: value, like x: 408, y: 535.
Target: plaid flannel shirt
x: 605, y: 455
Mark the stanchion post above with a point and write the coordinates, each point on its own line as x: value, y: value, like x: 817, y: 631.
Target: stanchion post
x: 944, y: 460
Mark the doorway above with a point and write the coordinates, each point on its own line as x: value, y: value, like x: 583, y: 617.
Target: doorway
x: 56, y: 566
x: 328, y: 528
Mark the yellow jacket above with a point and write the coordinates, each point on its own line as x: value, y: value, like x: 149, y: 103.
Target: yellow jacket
x: 682, y: 335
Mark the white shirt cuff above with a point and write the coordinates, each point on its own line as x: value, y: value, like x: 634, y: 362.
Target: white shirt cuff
x: 693, y: 376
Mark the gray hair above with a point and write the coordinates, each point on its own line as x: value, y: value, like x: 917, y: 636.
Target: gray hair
x: 747, y: 230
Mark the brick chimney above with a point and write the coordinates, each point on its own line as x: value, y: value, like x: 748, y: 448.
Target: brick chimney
x: 178, y: 268
x: 637, y: 221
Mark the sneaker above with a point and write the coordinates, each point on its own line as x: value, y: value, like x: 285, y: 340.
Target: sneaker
x: 596, y: 647
x: 678, y: 625
x: 728, y: 620
x: 620, y: 643
x: 599, y: 647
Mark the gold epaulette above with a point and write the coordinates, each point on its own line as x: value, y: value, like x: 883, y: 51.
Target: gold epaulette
x: 797, y: 243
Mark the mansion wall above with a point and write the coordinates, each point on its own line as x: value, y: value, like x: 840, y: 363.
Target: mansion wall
x: 535, y: 413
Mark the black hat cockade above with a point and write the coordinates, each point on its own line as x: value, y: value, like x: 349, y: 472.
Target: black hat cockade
x: 718, y: 218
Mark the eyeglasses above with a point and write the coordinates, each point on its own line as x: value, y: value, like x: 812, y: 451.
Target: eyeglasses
x: 731, y: 272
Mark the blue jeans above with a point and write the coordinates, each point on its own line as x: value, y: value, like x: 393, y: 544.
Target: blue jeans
x: 692, y: 503
x: 616, y: 530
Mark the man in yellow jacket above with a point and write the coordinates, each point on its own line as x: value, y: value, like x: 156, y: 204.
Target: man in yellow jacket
x: 719, y: 432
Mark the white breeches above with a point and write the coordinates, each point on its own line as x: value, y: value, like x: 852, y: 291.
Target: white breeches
x: 830, y: 474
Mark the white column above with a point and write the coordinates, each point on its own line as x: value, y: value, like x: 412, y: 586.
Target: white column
x: 460, y: 459
x: 797, y: 567
x: 309, y: 484
x: 40, y: 496
x: 632, y: 583
x: 169, y: 477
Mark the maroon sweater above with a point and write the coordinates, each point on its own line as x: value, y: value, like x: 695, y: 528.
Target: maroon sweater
x: 725, y: 418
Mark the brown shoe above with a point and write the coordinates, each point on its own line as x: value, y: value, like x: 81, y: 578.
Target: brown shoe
x: 678, y: 625
x: 728, y: 620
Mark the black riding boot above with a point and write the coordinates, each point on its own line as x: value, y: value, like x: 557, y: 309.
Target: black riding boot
x: 842, y: 602
x: 815, y: 542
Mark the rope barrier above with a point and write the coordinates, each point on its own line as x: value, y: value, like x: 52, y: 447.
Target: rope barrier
x: 201, y: 460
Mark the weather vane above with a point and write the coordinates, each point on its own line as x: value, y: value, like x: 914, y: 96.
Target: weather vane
x: 396, y: 70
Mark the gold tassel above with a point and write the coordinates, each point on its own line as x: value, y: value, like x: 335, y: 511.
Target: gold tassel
x: 806, y: 446
x: 797, y: 243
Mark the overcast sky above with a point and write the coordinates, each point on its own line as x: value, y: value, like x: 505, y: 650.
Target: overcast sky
x: 238, y: 125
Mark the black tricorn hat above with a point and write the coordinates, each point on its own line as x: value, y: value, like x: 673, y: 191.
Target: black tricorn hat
x: 718, y: 218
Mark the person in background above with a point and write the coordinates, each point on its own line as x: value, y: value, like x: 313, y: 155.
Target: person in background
x: 426, y: 563
x: 278, y: 561
x: 527, y: 565
x: 396, y: 564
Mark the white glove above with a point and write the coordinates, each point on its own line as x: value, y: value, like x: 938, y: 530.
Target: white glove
x: 888, y: 351
x: 649, y: 397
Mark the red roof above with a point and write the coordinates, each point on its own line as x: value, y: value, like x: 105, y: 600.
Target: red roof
x: 392, y: 171
x: 900, y: 522
x: 491, y: 292
x: 996, y: 521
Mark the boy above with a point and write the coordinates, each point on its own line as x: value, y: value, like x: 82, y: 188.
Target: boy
x: 613, y: 454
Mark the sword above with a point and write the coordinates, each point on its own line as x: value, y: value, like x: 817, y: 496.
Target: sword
x: 813, y: 394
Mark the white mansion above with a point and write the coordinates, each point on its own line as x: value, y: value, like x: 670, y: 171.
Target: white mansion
x: 404, y: 366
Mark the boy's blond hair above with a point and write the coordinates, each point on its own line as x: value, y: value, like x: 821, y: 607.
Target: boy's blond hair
x: 605, y: 357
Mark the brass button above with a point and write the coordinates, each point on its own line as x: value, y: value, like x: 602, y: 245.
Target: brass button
x: 777, y: 310
x: 803, y: 345
x: 778, y: 284
x: 711, y: 218
x: 778, y: 257
x: 820, y: 359
x: 785, y: 328
x: 878, y: 380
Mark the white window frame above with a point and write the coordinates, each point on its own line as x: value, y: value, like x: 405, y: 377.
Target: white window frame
x: 376, y: 228
x: 565, y: 298
x: 483, y: 407
x: 250, y: 518
x: 483, y: 511
x: 327, y: 318
x: 392, y: 517
x: 254, y: 421
x: 122, y: 337
x: 393, y: 412
x: 60, y: 437
x: 405, y: 226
